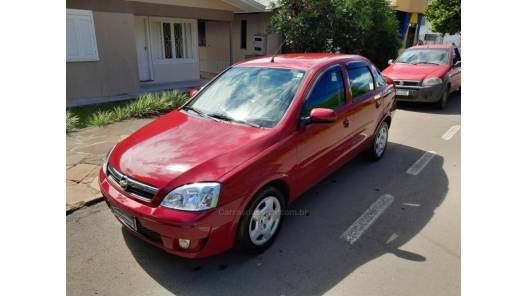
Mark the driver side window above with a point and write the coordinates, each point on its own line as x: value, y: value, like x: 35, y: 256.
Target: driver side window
x: 328, y: 92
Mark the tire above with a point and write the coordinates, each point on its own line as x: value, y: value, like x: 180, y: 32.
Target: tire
x: 247, y: 236
x: 380, y: 142
x: 441, y: 104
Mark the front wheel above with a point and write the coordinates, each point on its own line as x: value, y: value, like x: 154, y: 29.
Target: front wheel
x: 380, y: 141
x: 261, y: 222
x: 441, y: 104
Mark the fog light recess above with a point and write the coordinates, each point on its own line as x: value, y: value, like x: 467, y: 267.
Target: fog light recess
x: 184, y: 243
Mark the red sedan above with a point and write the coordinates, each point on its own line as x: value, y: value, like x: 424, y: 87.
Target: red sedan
x: 218, y: 172
x: 426, y: 73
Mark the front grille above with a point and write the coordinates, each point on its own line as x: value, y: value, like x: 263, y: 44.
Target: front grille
x: 407, y: 83
x: 150, y: 234
x: 130, y: 185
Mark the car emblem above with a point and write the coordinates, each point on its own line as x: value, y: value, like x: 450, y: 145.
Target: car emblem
x: 123, y: 182
x: 401, y: 82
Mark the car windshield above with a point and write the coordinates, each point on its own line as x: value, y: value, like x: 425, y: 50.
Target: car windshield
x: 248, y: 95
x: 424, y: 56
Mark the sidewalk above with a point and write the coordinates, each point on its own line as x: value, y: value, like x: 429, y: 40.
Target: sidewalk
x: 84, y: 152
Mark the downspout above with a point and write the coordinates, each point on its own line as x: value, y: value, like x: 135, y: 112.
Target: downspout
x: 230, y: 41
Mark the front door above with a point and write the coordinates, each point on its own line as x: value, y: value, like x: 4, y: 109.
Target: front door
x: 320, y: 145
x: 141, y: 45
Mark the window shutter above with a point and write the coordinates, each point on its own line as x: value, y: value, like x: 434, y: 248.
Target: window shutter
x: 81, y: 44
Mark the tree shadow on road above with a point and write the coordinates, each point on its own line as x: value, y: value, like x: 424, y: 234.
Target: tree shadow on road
x: 453, y: 106
x: 308, y: 257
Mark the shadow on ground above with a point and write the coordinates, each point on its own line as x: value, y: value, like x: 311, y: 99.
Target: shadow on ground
x: 308, y: 257
x: 453, y: 107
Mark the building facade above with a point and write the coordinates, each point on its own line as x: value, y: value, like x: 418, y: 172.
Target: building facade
x: 119, y: 49
x: 410, y: 16
x: 426, y: 36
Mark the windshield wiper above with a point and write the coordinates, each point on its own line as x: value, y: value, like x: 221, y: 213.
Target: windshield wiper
x: 426, y: 63
x: 199, y: 112
x: 225, y: 117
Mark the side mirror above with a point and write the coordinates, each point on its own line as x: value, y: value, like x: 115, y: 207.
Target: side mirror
x: 322, y: 115
x: 457, y: 64
x: 193, y: 92
x: 390, y: 61
x: 388, y: 80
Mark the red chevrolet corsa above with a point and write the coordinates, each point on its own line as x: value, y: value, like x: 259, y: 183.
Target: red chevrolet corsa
x: 426, y: 73
x: 218, y: 172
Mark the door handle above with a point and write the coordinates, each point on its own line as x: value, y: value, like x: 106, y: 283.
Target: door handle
x: 377, y: 99
x: 346, y: 123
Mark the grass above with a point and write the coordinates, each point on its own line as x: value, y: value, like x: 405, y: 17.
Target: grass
x: 152, y: 104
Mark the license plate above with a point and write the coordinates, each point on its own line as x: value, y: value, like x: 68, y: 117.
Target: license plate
x: 402, y: 92
x: 125, y: 218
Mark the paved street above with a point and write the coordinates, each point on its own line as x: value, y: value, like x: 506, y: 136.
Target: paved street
x: 407, y: 241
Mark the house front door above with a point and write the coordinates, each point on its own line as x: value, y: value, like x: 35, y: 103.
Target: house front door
x: 141, y: 44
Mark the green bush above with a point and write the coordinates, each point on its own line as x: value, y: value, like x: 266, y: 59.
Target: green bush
x: 71, y: 121
x: 101, y: 118
x: 151, y: 104
x: 120, y: 113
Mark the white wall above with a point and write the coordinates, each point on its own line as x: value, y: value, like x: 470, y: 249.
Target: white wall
x: 215, y: 56
x: 257, y: 24
x: 447, y: 39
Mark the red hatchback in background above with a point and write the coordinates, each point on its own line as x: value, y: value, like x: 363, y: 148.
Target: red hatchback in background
x: 218, y: 172
x: 426, y: 73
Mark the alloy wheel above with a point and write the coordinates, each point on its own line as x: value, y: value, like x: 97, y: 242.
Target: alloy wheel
x: 381, y: 139
x: 264, y: 220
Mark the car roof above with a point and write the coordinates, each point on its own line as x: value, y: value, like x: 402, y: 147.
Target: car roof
x: 302, y: 61
x: 433, y: 46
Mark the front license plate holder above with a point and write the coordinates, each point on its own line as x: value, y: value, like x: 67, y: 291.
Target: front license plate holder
x: 402, y: 92
x: 125, y: 218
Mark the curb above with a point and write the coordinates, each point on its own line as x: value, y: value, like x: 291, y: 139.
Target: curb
x: 81, y: 205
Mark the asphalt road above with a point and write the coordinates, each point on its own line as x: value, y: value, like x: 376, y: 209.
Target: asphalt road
x: 405, y: 228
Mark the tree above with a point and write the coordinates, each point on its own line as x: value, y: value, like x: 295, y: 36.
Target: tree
x: 365, y: 27
x: 444, y: 16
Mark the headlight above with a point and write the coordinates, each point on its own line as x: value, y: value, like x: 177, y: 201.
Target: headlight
x: 432, y: 81
x: 105, y: 160
x: 193, y: 197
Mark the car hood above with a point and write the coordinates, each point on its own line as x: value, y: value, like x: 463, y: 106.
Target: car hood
x: 414, y: 72
x: 190, y: 148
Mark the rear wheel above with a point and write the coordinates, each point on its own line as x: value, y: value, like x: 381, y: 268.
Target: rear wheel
x: 261, y: 222
x: 380, y: 141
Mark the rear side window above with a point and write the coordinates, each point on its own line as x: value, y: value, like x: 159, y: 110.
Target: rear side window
x: 361, y: 81
x: 379, y: 80
x: 328, y: 92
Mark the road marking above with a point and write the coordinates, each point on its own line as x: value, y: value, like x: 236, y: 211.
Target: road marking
x: 451, y: 132
x: 420, y: 164
x: 354, y: 232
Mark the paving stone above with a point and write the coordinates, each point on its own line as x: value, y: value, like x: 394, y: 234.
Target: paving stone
x: 74, y: 158
x: 92, y: 175
x: 80, y: 171
x: 95, y: 184
x: 78, y: 194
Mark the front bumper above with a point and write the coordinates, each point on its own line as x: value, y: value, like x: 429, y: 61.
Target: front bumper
x: 210, y: 232
x: 430, y: 94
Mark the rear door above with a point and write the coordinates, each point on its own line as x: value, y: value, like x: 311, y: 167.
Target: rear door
x: 366, y: 102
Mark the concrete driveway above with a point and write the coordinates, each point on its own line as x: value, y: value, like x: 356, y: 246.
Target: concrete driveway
x: 407, y: 244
